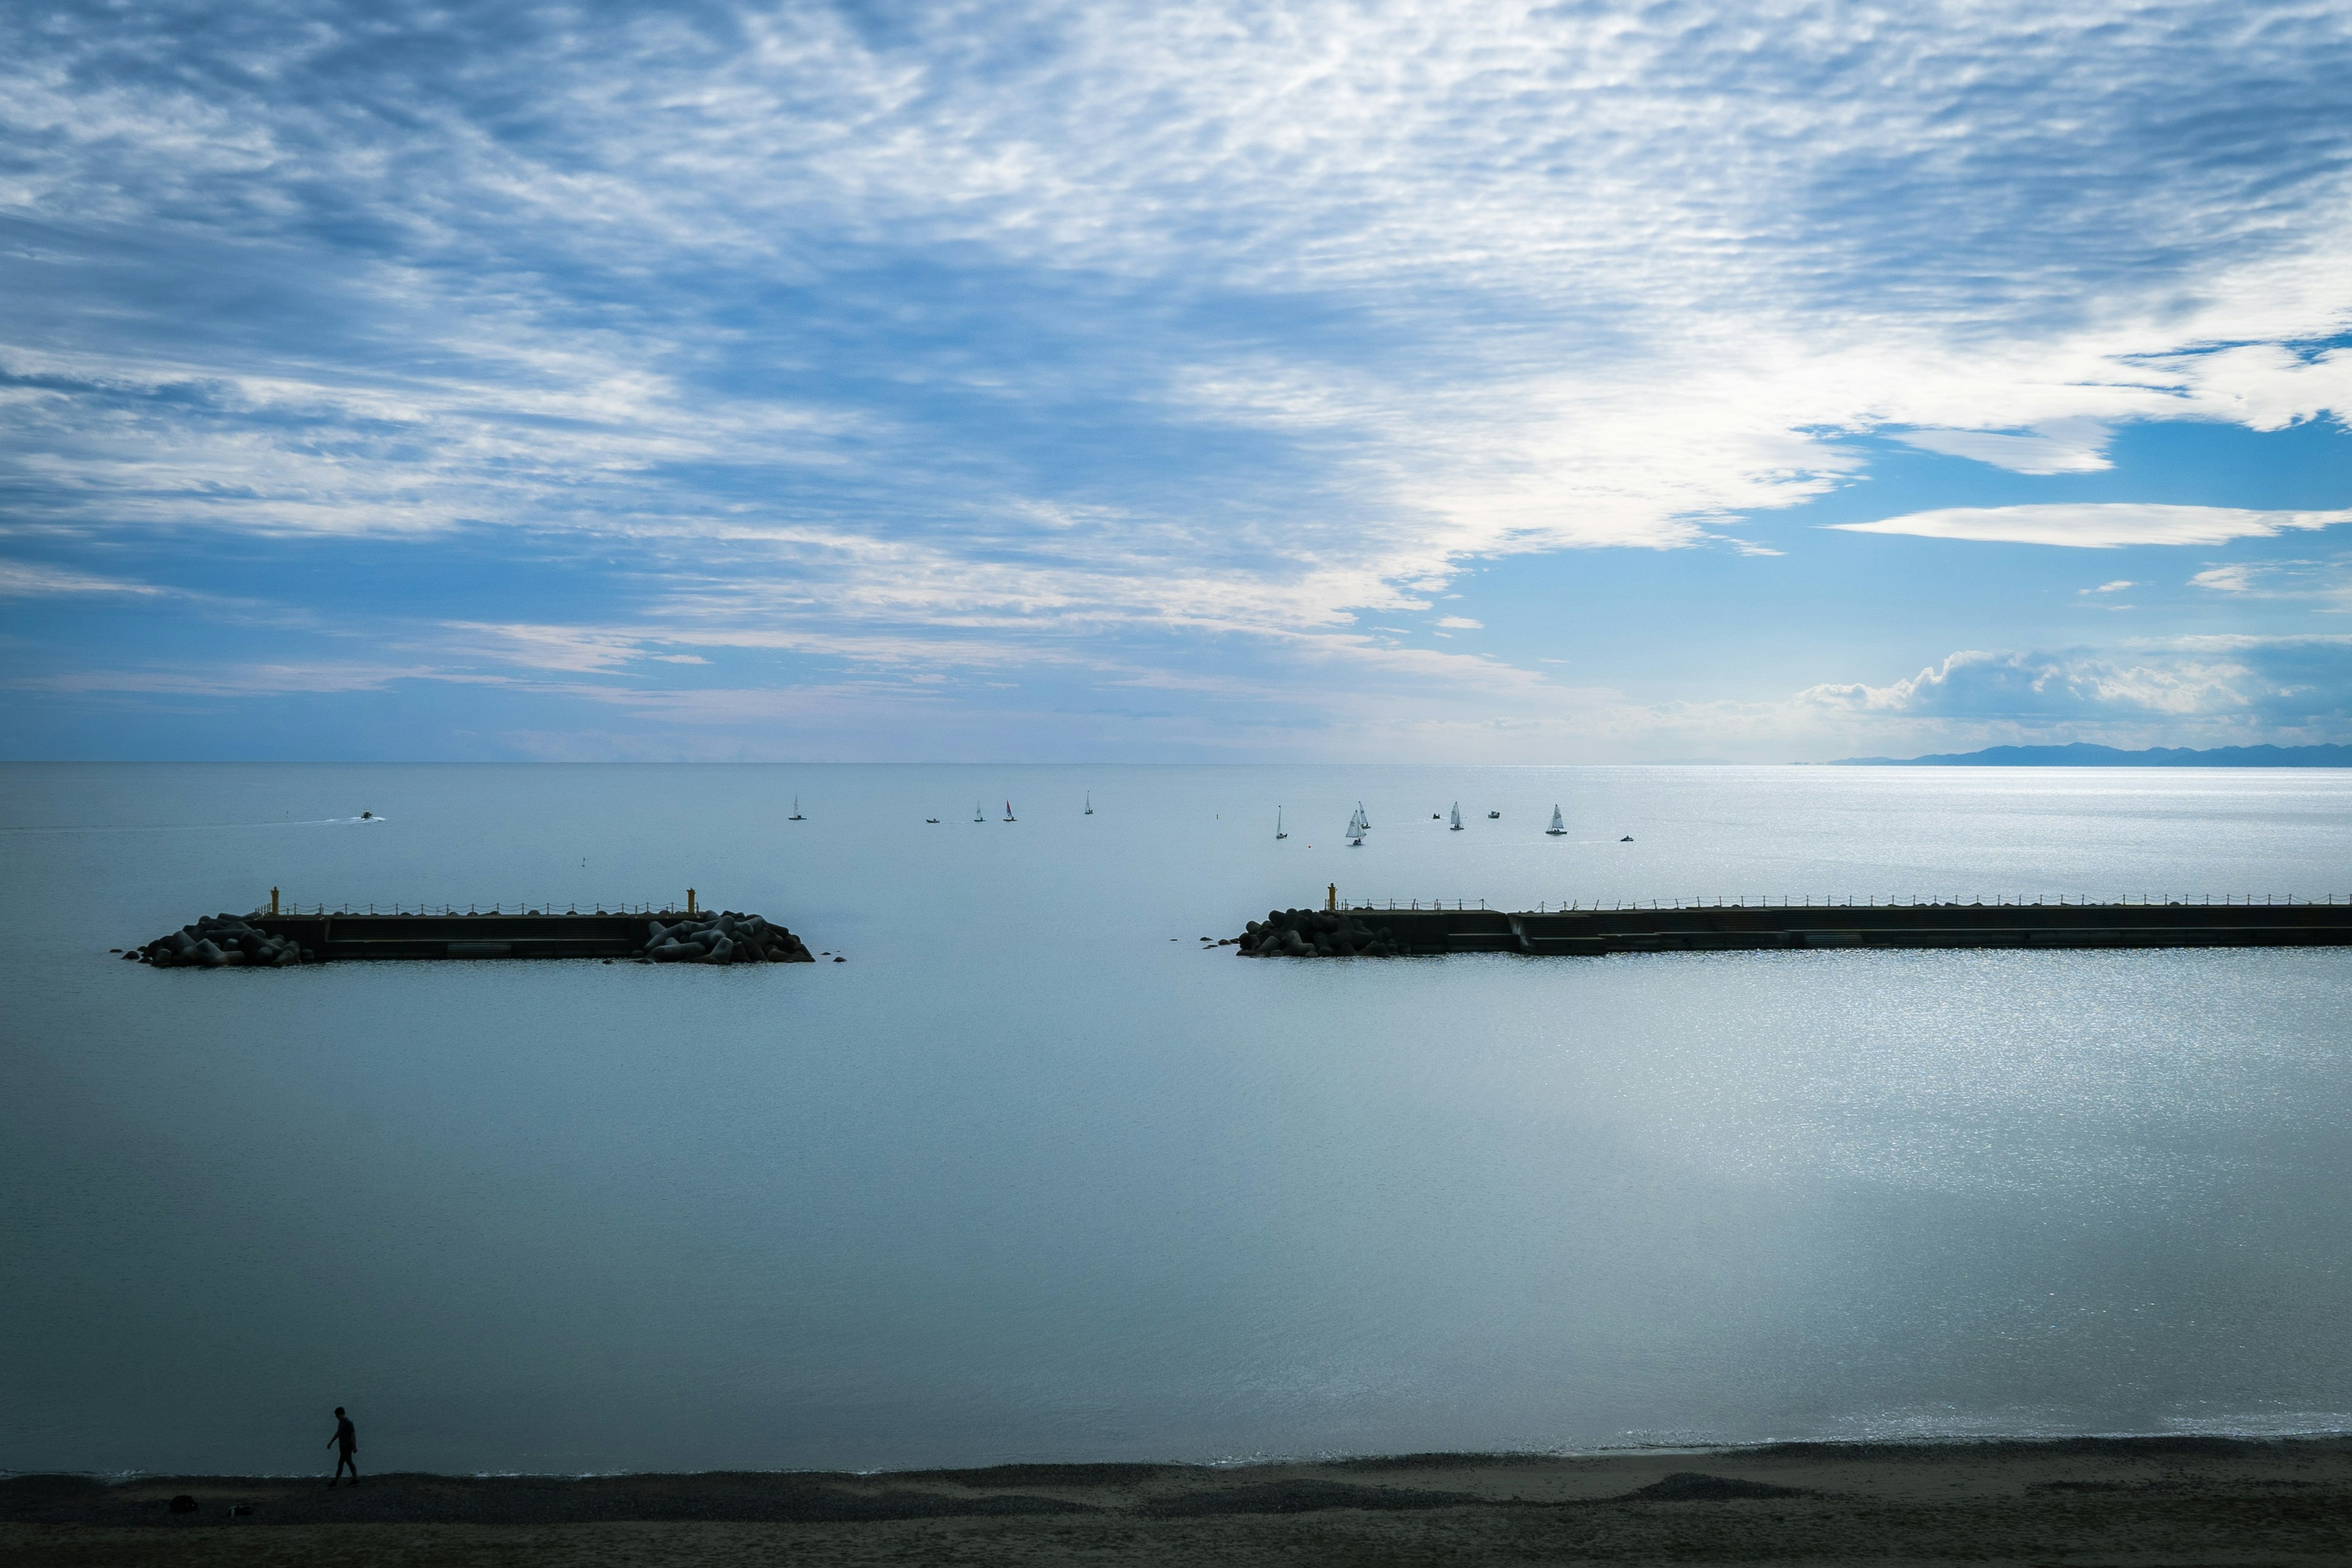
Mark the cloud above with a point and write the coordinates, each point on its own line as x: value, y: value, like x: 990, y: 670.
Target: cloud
x: 2098, y: 525
x: 2203, y: 689
x: 2317, y: 580
x: 2116, y: 586
x: 2019, y: 686
x: 2231, y: 578
x: 1461, y: 623
x: 22, y: 580
x: 2061, y: 446
x: 229, y: 679
x: 577, y: 651
x: 980, y: 338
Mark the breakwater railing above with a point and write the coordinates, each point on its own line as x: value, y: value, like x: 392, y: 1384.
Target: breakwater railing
x: 1415, y: 926
x: 525, y: 907
x: 1868, y: 901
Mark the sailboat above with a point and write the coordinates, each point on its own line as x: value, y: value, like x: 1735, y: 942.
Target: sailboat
x: 1557, y: 826
x: 1008, y: 811
x: 1090, y: 803
x: 1357, y: 827
x: 796, y: 815
x: 1457, y: 817
x: 978, y: 814
x: 1362, y: 821
x: 1279, y: 832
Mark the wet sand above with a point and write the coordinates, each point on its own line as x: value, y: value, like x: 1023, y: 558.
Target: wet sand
x: 2094, y: 1500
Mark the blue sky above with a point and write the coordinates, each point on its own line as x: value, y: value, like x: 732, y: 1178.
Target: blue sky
x: 1490, y: 382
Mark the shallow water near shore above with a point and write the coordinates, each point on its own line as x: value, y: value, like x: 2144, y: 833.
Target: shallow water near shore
x: 1032, y: 1177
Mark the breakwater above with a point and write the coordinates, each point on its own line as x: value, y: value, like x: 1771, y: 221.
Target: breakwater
x: 1341, y: 931
x: 263, y: 939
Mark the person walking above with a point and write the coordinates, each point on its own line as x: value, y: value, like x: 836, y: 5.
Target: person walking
x: 346, y: 1441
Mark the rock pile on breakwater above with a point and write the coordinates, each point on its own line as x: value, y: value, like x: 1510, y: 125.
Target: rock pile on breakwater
x: 1318, y: 933
x: 723, y: 937
x: 215, y: 941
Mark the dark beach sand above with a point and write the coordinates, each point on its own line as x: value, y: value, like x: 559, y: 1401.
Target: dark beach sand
x: 2090, y: 1500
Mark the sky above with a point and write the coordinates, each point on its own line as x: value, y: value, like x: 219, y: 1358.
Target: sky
x: 1487, y: 382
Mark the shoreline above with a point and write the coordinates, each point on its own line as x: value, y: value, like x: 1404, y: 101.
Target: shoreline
x: 2207, y: 1499
x: 1434, y: 1456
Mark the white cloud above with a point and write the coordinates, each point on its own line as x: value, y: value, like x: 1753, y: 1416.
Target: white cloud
x: 963, y: 340
x: 2317, y: 580
x: 232, y: 680
x: 2017, y: 686
x: 2098, y: 525
x: 2061, y: 446
x: 22, y: 580
x: 2116, y: 586
x: 1461, y: 623
x: 2188, y: 691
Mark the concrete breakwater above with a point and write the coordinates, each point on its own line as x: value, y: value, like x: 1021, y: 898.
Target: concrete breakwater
x: 1342, y: 931
x: 261, y: 940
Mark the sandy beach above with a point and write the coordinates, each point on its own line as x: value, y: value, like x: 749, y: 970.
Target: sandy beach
x: 2105, y: 1500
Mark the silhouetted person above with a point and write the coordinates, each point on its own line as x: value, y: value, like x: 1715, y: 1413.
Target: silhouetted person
x: 346, y: 1441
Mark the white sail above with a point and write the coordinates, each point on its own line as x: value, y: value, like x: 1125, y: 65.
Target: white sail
x: 1362, y: 821
x: 1557, y: 826
x: 1457, y: 817
x: 1279, y: 832
x: 977, y: 815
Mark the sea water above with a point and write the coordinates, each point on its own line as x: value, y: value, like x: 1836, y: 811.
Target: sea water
x: 1034, y: 1176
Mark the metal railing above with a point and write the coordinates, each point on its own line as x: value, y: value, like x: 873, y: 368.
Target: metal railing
x: 1891, y: 901
x: 527, y: 907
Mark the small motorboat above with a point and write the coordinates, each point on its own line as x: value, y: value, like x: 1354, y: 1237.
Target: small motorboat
x: 932, y: 820
x: 367, y: 816
x: 1494, y: 816
x: 1557, y: 826
x: 1627, y: 839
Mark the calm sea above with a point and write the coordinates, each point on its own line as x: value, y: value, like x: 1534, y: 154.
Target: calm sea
x: 1032, y: 1177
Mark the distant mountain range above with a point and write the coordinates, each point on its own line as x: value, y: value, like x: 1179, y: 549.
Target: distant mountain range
x: 2083, y: 756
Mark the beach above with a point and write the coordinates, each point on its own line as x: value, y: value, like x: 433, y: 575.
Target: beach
x: 2107, y: 1500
